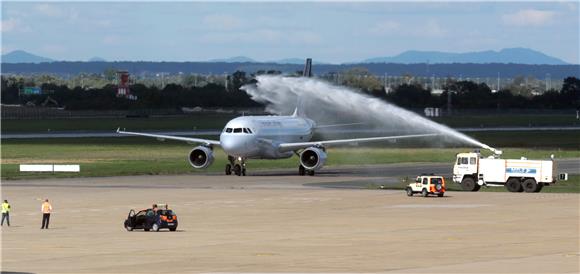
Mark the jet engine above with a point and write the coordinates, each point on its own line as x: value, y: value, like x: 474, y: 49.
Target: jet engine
x: 201, y: 157
x: 313, y: 158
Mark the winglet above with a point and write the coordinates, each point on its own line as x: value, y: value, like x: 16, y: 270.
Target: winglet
x: 118, y: 129
x: 299, y: 110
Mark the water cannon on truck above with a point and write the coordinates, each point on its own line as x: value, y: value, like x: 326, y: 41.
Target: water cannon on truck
x: 472, y: 171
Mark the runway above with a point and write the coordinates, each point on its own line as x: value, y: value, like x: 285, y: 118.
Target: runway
x: 274, y: 223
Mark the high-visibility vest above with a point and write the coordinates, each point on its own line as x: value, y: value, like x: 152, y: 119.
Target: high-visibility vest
x: 5, y: 207
x: 46, y: 207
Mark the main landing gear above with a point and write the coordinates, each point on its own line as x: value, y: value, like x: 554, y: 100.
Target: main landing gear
x: 237, y: 166
x: 302, y: 171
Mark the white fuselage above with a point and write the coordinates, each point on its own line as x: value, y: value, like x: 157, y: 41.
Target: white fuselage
x: 257, y: 137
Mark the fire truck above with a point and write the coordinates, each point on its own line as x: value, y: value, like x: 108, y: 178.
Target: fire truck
x: 472, y: 171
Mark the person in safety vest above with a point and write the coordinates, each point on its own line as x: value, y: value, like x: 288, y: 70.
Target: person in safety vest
x: 5, y: 213
x: 46, y: 210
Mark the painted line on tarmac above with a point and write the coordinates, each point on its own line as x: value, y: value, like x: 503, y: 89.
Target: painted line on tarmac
x: 441, y: 206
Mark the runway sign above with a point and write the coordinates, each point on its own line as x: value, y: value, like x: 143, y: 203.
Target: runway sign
x: 50, y: 168
x: 67, y: 168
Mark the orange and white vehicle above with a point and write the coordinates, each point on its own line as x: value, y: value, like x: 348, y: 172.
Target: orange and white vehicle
x: 427, y: 184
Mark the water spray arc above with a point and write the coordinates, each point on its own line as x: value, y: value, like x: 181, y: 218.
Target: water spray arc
x: 319, y: 98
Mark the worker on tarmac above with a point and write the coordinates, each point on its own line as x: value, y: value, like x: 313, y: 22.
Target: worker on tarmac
x: 5, y: 213
x: 46, y: 210
x: 152, y: 215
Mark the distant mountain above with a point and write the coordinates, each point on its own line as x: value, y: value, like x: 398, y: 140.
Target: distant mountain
x: 97, y: 59
x: 504, y: 56
x: 236, y: 59
x: 20, y: 56
x: 294, y: 61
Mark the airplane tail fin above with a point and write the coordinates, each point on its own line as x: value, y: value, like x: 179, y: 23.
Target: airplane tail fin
x: 307, y: 72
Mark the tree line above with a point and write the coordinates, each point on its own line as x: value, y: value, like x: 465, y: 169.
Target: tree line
x: 461, y: 95
x: 470, y: 95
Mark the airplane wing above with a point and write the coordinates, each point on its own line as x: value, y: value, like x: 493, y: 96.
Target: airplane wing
x: 169, y: 137
x: 295, y: 146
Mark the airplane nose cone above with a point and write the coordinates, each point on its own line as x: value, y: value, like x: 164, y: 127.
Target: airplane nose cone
x: 231, y: 145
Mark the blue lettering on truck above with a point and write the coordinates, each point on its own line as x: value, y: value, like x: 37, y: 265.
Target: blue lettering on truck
x: 520, y: 170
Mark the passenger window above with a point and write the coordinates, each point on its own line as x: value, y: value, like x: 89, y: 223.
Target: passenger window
x: 237, y: 130
x: 229, y: 130
x: 458, y: 161
x: 424, y: 181
x: 435, y: 181
x: 464, y: 161
x: 472, y: 161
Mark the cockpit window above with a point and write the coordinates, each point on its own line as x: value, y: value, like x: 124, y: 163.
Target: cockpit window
x: 237, y: 130
x: 229, y: 130
x: 250, y: 131
x: 246, y: 130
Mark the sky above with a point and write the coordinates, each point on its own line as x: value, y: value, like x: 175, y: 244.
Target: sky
x: 333, y: 32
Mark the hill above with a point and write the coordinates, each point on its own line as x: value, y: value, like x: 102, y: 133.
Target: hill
x: 505, y: 56
x: 20, y: 56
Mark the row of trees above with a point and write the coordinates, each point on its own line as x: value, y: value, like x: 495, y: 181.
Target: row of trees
x: 461, y: 94
x: 172, y: 96
x: 470, y: 95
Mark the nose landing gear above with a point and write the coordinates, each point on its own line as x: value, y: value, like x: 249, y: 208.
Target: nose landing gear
x: 237, y: 166
x: 302, y: 171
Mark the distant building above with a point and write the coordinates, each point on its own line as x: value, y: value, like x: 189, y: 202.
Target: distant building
x: 123, y: 85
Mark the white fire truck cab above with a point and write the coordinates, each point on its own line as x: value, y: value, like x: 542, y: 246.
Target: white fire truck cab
x: 472, y: 171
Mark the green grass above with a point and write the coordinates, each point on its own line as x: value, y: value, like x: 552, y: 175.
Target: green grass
x: 140, y: 156
x: 217, y: 121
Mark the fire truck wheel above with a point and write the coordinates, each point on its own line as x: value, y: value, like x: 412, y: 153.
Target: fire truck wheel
x: 530, y: 185
x: 513, y: 185
x: 440, y: 194
x: 477, y: 187
x: 409, y: 191
x: 424, y: 193
x: 468, y: 184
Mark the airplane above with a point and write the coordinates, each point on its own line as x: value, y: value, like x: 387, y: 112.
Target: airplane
x: 267, y: 137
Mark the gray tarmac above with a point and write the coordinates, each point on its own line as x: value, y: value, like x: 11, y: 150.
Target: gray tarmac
x: 276, y: 223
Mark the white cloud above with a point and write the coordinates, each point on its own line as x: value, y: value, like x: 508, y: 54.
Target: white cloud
x: 9, y: 25
x: 263, y: 36
x: 385, y: 27
x: 430, y: 28
x: 528, y: 17
x: 54, y: 49
x: 49, y: 10
x: 112, y: 40
x: 222, y: 22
